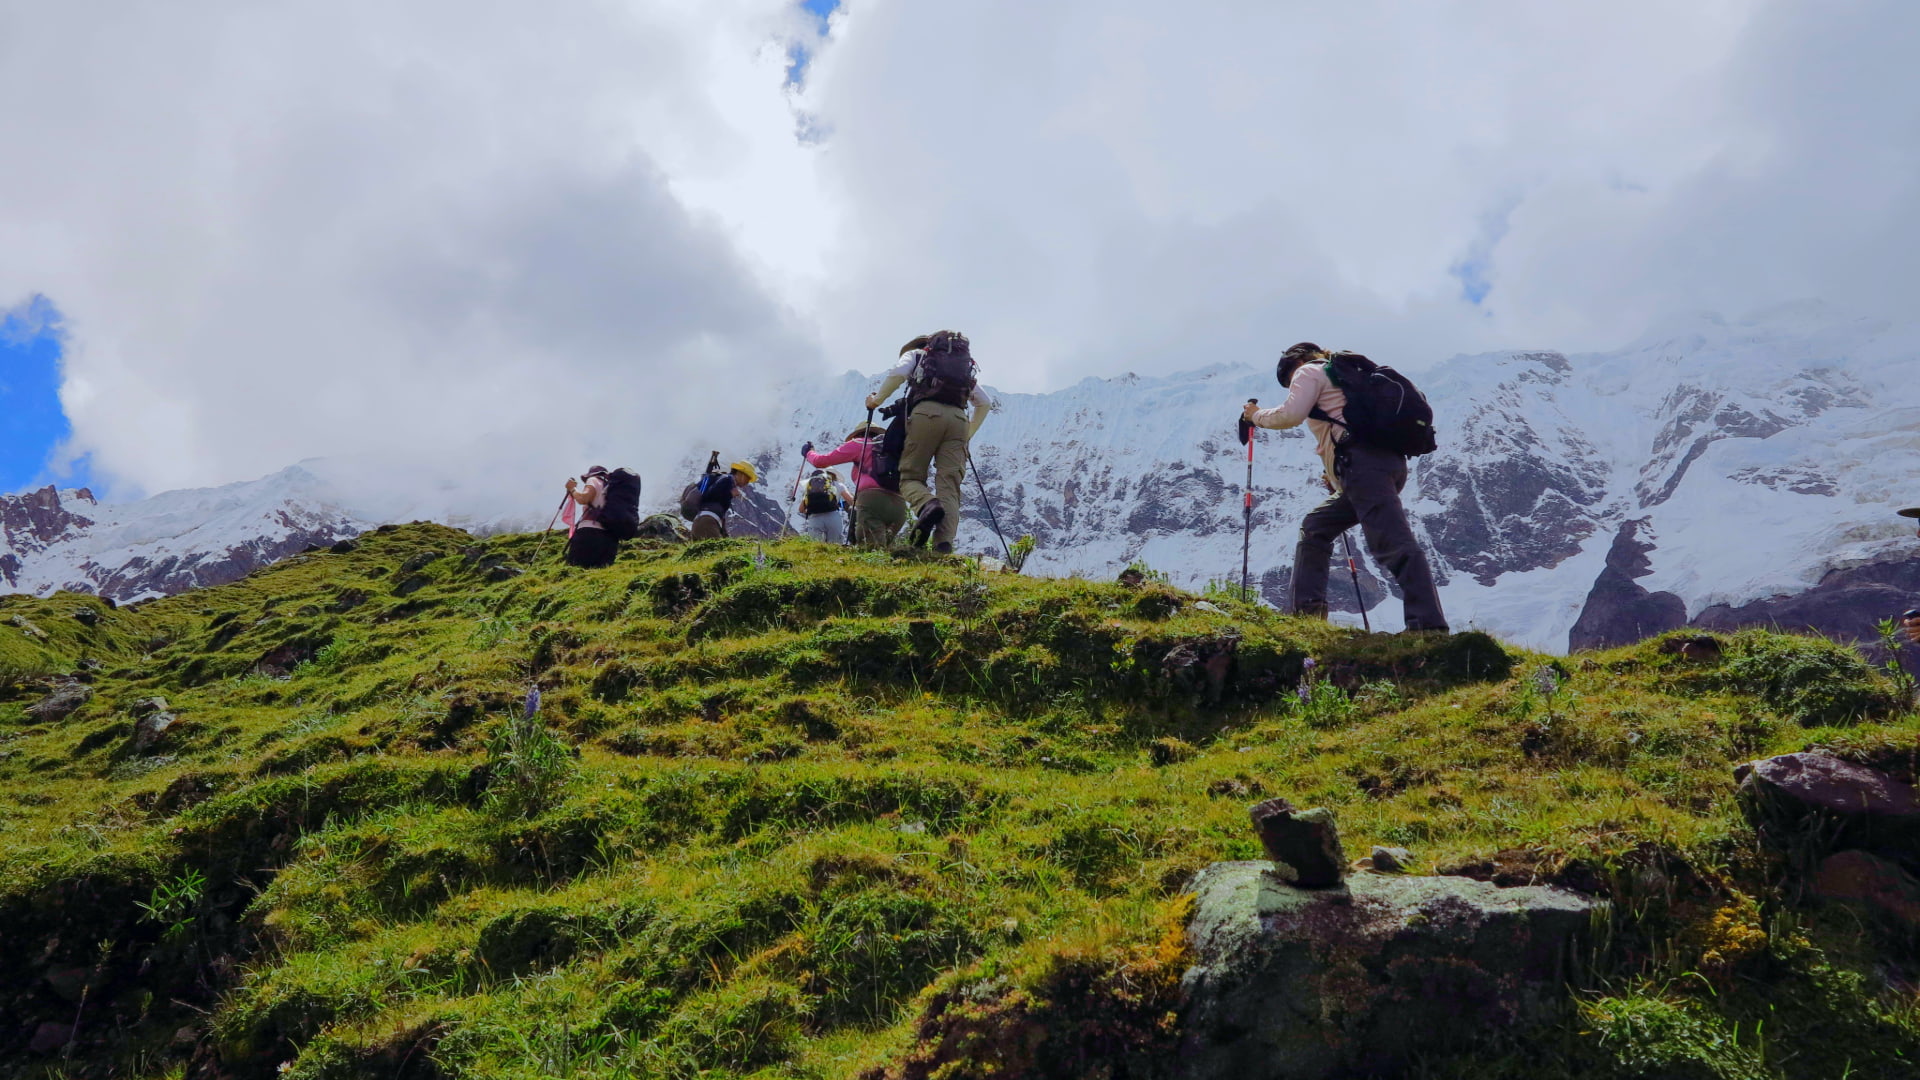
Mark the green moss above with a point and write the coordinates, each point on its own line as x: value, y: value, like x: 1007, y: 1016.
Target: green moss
x: 819, y: 812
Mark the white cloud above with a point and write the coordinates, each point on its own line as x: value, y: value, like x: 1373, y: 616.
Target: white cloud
x: 420, y: 233
x: 1095, y: 185
x: 591, y: 229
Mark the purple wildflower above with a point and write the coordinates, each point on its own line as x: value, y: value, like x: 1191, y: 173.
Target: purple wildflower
x: 533, y: 702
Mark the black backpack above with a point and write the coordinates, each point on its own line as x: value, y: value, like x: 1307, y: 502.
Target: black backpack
x: 946, y: 373
x: 820, y: 497
x: 1383, y: 409
x: 887, y: 449
x: 621, y: 514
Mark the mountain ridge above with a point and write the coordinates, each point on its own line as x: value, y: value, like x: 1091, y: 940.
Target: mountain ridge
x: 1751, y: 459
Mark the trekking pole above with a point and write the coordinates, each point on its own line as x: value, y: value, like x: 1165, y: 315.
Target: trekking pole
x: 550, y: 521
x: 1246, y: 535
x: 975, y: 470
x: 1354, y: 572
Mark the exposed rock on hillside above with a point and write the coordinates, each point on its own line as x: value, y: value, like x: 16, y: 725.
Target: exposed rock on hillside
x: 1297, y: 984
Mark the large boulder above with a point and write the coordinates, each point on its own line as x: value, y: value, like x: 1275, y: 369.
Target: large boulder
x: 1814, y: 803
x: 1364, y: 977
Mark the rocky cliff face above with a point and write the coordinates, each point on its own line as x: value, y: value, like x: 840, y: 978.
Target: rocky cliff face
x: 50, y: 539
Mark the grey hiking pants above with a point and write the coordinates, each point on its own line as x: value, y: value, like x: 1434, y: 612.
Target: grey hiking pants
x: 1370, y: 480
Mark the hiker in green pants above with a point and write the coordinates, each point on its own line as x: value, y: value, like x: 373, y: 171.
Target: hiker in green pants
x: 942, y: 381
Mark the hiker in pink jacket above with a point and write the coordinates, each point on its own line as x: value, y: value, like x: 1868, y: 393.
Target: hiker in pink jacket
x: 878, y: 512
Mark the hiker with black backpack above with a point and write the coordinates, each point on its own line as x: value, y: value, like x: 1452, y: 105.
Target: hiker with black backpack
x: 707, y: 501
x: 942, y: 381
x: 1366, y: 421
x: 822, y: 505
x: 609, y: 506
x: 878, y: 510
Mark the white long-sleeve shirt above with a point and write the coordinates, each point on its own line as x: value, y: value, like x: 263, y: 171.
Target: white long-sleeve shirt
x: 1310, y: 388
x: 903, y: 371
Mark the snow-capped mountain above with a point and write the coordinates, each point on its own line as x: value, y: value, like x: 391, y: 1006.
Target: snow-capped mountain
x: 1728, y: 473
x: 51, y: 539
x: 1717, y: 472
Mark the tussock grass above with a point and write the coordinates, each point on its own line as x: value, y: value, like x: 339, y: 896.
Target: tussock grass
x: 796, y: 811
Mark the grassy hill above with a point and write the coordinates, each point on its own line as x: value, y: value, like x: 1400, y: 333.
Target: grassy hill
x: 792, y: 811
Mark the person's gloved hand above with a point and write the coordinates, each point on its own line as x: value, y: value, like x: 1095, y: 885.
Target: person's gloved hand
x: 873, y: 401
x: 807, y: 448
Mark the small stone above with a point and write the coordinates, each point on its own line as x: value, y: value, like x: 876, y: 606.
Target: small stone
x: 342, y: 547
x: 27, y: 628
x: 420, y: 560
x: 147, y: 731
x: 1391, y: 860
x: 186, y: 1036
x: 68, y: 982
x: 1207, y: 605
x: 86, y: 616
x: 412, y: 585
x: 147, y: 706
x: 1304, y: 844
x: 49, y: 1036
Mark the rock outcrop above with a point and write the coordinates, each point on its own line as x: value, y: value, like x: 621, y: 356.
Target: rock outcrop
x: 1363, y: 978
x: 1815, y: 802
x: 1620, y: 611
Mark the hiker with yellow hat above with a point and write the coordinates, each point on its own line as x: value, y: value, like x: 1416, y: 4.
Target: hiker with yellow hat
x: 716, y: 499
x: 879, y: 511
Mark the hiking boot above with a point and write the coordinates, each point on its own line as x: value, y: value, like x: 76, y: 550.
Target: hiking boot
x: 931, y: 515
x: 943, y: 548
x: 1425, y: 631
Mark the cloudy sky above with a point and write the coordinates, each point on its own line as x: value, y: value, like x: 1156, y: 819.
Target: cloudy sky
x: 480, y: 242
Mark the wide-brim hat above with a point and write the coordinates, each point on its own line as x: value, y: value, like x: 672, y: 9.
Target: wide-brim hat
x: 746, y: 468
x: 866, y: 431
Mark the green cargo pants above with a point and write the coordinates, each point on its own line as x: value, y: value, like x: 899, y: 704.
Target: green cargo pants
x: 936, y: 436
x: 880, y: 515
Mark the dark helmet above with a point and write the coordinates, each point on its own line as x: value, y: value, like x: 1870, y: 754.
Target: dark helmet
x: 1291, y: 360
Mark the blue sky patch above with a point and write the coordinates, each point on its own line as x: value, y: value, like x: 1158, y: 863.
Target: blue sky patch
x: 1475, y: 269
x: 34, y: 424
x: 800, y: 54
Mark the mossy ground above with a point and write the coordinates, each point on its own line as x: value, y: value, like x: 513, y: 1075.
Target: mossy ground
x: 806, y: 812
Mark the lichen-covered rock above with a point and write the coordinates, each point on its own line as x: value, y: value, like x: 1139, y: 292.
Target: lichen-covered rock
x: 65, y: 700
x: 150, y: 721
x: 1303, y: 983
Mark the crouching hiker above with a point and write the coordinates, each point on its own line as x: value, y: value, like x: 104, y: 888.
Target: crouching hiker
x: 609, y: 507
x: 942, y: 381
x: 1366, y: 421
x: 707, y: 501
x: 823, y: 503
x: 878, y: 509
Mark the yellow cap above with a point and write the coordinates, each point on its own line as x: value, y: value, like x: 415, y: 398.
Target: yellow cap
x: 747, y: 468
